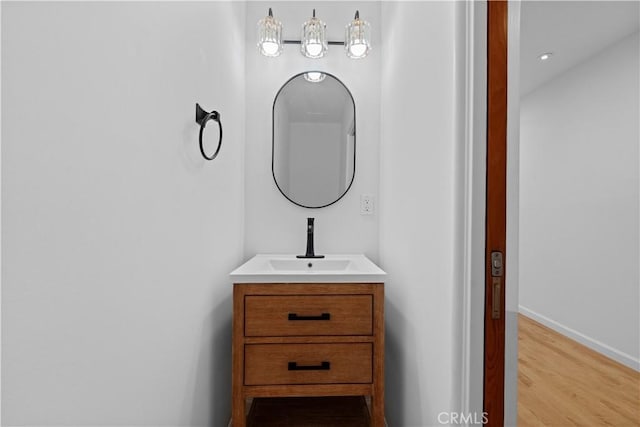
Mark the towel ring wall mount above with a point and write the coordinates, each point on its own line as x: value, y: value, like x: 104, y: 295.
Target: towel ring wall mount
x: 202, y: 118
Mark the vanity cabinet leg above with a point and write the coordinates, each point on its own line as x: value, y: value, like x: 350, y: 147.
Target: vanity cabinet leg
x: 238, y: 401
x: 377, y: 411
x: 238, y: 417
x: 377, y: 399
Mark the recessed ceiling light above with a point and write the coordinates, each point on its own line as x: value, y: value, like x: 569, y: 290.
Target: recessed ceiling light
x: 545, y: 56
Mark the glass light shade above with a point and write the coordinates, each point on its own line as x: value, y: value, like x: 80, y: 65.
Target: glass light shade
x: 314, y: 76
x: 357, y: 39
x: 270, y: 35
x: 314, y: 39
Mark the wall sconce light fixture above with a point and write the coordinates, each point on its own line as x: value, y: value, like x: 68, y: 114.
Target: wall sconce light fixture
x: 313, y: 42
x: 270, y: 35
x: 357, y: 39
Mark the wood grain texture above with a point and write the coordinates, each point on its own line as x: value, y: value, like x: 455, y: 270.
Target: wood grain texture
x: 268, y: 315
x: 309, y: 390
x: 308, y: 339
x: 377, y: 396
x: 267, y: 364
x: 238, y: 407
x: 309, y: 288
x: 563, y: 383
x: 496, y: 207
x: 255, y: 355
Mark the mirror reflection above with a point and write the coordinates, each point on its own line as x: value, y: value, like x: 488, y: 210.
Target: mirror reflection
x: 314, y: 136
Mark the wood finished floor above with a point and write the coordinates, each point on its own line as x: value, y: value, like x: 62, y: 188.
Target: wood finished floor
x: 563, y: 383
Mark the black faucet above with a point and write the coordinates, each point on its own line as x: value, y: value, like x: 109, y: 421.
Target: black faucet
x: 310, y: 252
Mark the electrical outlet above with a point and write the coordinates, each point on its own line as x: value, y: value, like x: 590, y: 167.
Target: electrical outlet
x: 366, y: 204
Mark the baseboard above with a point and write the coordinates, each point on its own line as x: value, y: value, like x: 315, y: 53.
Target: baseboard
x: 593, y: 344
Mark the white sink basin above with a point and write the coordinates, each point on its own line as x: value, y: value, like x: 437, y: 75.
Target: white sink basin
x: 289, y: 269
x: 303, y: 264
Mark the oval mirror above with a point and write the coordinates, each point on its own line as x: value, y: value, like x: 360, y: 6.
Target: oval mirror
x: 314, y: 139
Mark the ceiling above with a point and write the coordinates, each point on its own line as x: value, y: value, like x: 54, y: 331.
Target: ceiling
x: 573, y: 31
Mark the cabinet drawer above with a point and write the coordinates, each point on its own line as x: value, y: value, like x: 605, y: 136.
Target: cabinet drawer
x: 271, y: 364
x: 298, y: 315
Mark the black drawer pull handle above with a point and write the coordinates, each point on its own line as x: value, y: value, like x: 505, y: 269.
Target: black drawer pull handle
x: 323, y: 366
x: 323, y: 316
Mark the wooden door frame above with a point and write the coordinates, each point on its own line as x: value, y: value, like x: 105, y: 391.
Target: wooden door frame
x: 496, y: 209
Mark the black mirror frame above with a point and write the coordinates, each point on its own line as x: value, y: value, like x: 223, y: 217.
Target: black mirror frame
x: 273, y: 118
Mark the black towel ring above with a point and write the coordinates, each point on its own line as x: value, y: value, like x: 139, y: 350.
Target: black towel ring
x: 202, y: 117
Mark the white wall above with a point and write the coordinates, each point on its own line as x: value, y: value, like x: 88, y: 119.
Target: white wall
x: 512, y: 259
x: 117, y: 236
x: 419, y: 187
x: 274, y: 224
x: 579, y: 203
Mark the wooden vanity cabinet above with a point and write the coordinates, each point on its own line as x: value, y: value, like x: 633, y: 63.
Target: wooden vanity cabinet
x: 308, y: 339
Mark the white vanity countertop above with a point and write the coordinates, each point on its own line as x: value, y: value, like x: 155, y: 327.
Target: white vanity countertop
x: 271, y: 268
